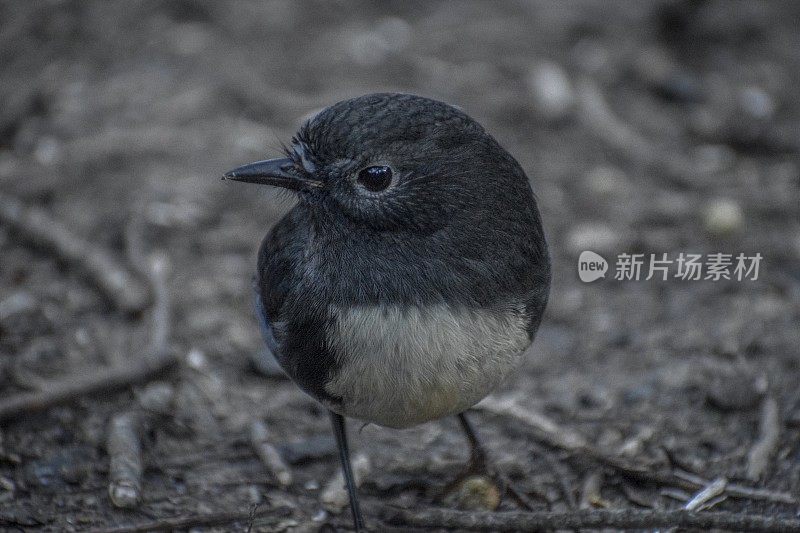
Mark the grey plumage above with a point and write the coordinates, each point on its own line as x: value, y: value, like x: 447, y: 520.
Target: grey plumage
x: 413, y: 272
x: 459, y: 228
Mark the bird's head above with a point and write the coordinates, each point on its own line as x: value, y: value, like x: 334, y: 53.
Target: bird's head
x: 393, y: 162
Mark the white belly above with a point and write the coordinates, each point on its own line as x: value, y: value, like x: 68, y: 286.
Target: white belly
x: 404, y: 366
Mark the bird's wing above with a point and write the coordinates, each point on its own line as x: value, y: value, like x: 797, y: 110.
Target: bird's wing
x: 263, y: 319
x: 273, y: 279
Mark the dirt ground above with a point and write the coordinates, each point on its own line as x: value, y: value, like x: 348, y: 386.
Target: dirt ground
x: 645, y: 127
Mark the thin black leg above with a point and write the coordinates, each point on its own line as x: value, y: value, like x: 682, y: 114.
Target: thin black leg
x: 479, y: 462
x: 477, y: 455
x: 340, y: 431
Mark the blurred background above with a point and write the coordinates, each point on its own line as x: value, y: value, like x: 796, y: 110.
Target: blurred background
x: 645, y: 127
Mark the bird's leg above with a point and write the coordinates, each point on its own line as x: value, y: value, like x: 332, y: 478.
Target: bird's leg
x: 340, y: 432
x: 477, y: 453
x: 479, y: 463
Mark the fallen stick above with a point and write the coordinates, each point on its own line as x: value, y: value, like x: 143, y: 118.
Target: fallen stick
x: 713, y: 490
x: 73, y: 387
x: 113, y: 279
x: 590, y: 519
x: 266, y: 451
x: 559, y: 471
x: 768, y: 440
x: 153, y: 362
x: 689, y: 482
x: 125, y: 461
x: 551, y: 434
x: 590, y: 490
x: 203, y: 520
x: 599, y: 117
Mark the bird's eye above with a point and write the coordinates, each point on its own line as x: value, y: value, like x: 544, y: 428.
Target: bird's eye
x: 375, y: 178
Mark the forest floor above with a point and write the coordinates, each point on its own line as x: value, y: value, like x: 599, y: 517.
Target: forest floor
x: 645, y: 127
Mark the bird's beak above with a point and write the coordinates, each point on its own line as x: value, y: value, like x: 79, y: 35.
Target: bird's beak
x: 277, y: 172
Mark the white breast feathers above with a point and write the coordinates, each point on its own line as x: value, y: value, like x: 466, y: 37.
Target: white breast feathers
x: 401, y: 366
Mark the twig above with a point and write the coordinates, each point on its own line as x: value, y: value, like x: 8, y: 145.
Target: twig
x: 125, y: 456
x: 690, y: 482
x: 266, y: 451
x: 768, y: 439
x: 737, y: 491
x: 251, y: 518
x: 599, y: 117
x: 551, y: 434
x: 153, y: 362
x: 712, y: 490
x: 594, y: 519
x: 560, y: 473
x: 113, y: 279
x: 154, y: 268
x: 77, y: 386
x: 590, y: 490
x: 204, y: 520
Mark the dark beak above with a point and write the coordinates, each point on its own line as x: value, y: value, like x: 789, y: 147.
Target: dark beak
x: 277, y: 172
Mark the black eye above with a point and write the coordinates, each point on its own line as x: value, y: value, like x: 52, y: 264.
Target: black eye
x: 375, y: 178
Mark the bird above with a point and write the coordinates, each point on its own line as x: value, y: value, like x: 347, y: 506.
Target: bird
x: 412, y: 273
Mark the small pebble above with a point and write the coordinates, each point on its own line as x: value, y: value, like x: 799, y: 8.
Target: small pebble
x: 595, y: 236
x: 757, y: 102
x: 16, y: 304
x: 156, y: 397
x: 196, y: 359
x: 552, y: 90
x: 48, y: 151
x: 606, y: 181
x: 723, y: 217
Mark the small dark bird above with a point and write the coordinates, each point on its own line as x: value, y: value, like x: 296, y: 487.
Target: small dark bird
x: 413, y: 272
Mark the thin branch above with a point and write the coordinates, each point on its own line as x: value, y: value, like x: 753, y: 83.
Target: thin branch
x: 115, y: 281
x: 689, y: 482
x: 590, y: 490
x: 735, y: 490
x: 600, y: 118
x: 125, y: 457
x: 153, y: 362
x: 560, y: 473
x: 548, y: 432
x: 268, y: 454
x: 553, y: 434
x: 713, y: 490
x: 769, y: 437
x: 590, y: 519
x: 77, y: 386
x: 204, y: 520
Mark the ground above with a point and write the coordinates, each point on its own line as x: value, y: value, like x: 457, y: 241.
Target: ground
x: 646, y: 127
